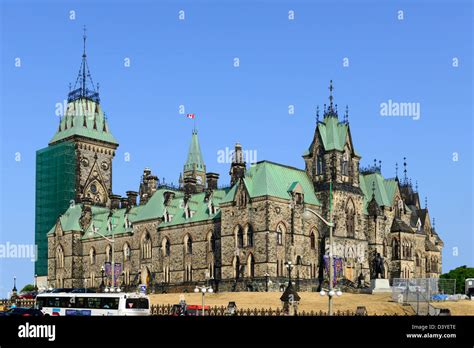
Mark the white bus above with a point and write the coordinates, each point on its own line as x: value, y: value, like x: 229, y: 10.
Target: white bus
x: 87, y: 304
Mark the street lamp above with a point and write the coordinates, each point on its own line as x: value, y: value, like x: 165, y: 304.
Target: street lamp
x: 203, y: 289
x: 289, y: 266
x: 266, y: 281
x: 306, y: 216
x: 102, y: 271
x: 36, y: 282
x: 111, y: 241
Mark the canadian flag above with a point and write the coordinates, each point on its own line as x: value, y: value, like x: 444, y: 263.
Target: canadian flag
x: 190, y: 116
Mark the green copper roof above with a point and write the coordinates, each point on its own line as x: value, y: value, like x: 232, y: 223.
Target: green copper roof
x: 84, y: 117
x: 194, y: 160
x: 272, y: 179
x: 384, y: 189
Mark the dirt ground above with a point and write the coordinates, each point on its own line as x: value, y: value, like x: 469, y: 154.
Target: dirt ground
x: 378, y: 304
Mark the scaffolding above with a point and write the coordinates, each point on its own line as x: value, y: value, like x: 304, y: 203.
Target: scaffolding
x: 55, y: 188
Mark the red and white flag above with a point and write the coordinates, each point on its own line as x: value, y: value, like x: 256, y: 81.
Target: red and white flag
x: 190, y: 116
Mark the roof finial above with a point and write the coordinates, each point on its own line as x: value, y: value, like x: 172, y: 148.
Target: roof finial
x: 380, y: 166
x: 330, y: 95
x: 396, y: 170
x: 346, y: 116
x: 405, y: 169
x: 373, y: 189
x: 416, y: 186
x: 317, y: 114
x: 433, y: 224
x: 426, y: 202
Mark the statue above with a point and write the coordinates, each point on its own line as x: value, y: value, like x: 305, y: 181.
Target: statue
x: 378, y: 266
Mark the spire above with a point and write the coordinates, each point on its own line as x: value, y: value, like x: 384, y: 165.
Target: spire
x: 396, y: 171
x: 317, y: 114
x: 84, y: 86
x: 346, y: 115
x: 426, y: 202
x: 433, y: 224
x: 330, y: 95
x: 373, y: 189
x: 194, y: 160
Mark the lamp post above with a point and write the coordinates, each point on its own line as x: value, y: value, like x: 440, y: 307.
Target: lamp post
x: 306, y: 216
x: 289, y: 266
x: 203, y: 290
x: 36, y: 282
x: 102, y: 270
x: 266, y: 281
x: 111, y: 241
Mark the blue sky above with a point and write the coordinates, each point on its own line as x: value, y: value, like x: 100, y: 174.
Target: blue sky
x: 282, y: 62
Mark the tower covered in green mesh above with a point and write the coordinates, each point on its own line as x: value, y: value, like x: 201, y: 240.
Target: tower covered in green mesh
x: 55, y: 188
x: 59, y: 181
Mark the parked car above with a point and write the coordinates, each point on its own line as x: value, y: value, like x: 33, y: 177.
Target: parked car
x: 22, y: 312
x: 31, y: 295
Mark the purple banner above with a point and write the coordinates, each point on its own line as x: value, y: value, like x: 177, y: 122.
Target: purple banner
x: 337, y: 264
x: 118, y: 271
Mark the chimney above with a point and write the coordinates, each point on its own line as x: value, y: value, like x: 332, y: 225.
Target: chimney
x: 238, y: 166
x: 212, y: 179
x: 124, y: 203
x: 132, y: 198
x: 152, y: 184
x: 190, y: 185
x: 114, y: 201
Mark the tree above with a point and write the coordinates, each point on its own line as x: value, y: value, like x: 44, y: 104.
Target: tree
x: 28, y: 288
x: 460, y: 274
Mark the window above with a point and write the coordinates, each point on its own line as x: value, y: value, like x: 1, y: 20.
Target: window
x: 250, y: 266
x: 146, y: 247
x: 137, y: 303
x: 345, y: 165
x: 126, y: 252
x: 188, y: 273
x: 417, y: 260
x: 165, y: 247
x: 188, y: 242
x: 320, y: 164
x: 92, y: 256
x: 108, y: 253
x: 211, y: 242
x: 59, y: 257
x: 312, y: 239
x: 395, y: 249
x: 350, y: 219
x: 92, y: 280
x: 281, y: 230
x: 236, y: 264
x: 249, y: 236
x: 239, y: 235
x: 166, y: 274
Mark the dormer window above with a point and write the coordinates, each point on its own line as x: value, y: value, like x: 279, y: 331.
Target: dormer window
x: 167, y: 217
x: 188, y: 213
x: 299, y: 198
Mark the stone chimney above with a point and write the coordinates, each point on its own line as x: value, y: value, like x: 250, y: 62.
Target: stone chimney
x: 168, y: 196
x: 124, y: 203
x: 115, y: 201
x: 190, y: 185
x: 132, y: 198
x: 212, y: 179
x: 238, y: 166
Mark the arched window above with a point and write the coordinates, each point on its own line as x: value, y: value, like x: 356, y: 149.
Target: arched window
x: 60, y: 257
x: 92, y: 255
x: 188, y: 244
x: 126, y: 252
x: 239, y: 237
x: 280, y: 233
x: 236, y: 264
x: 345, y: 164
x: 312, y: 239
x: 108, y: 253
x: 166, y: 274
x: 299, y: 260
x: 250, y: 266
x: 249, y: 234
x: 417, y: 260
x: 146, y: 247
x: 395, y: 249
x: 350, y: 218
x: 92, y: 280
x: 211, y: 242
x: 165, y: 247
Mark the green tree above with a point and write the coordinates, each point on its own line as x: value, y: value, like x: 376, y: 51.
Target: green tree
x: 460, y: 274
x: 28, y: 287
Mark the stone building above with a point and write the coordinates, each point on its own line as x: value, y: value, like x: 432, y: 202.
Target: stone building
x: 238, y: 237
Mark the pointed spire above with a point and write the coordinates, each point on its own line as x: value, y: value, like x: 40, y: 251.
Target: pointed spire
x: 346, y: 115
x: 317, y: 114
x: 433, y: 224
x: 426, y: 202
x: 194, y: 160
x: 380, y: 166
x: 84, y: 56
x: 416, y: 186
x: 59, y: 129
x: 396, y: 171
x: 104, y: 123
